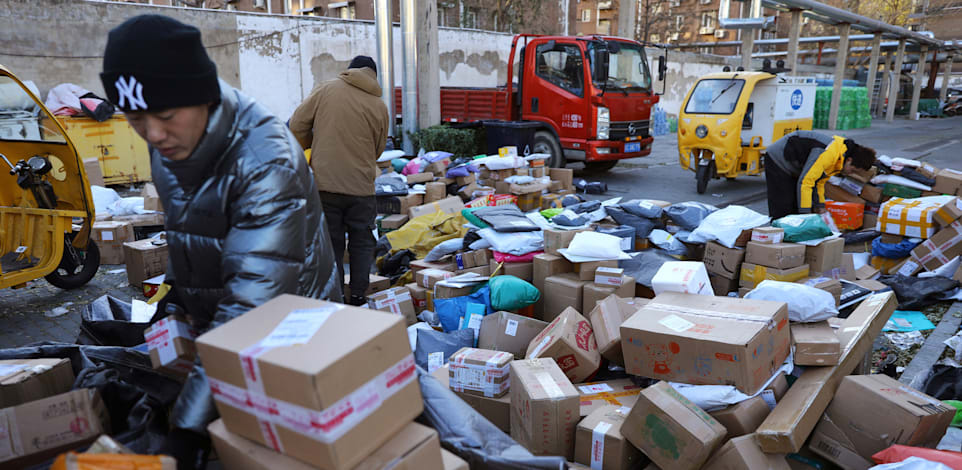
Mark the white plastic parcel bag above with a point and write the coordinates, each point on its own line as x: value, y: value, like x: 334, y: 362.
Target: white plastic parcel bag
x: 806, y: 304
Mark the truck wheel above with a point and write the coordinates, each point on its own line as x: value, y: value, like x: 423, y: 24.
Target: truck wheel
x: 702, y: 177
x: 600, y: 167
x: 544, y: 142
x: 71, y: 275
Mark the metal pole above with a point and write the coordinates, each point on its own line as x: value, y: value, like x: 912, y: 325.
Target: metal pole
x: 818, y: 61
x: 873, y: 69
x: 879, y: 109
x: 896, y: 81
x: 794, y: 31
x: 748, y: 44
x: 409, y: 82
x: 841, y: 59
x: 429, y: 67
x: 626, y: 19
x: 383, y: 18
x: 917, y: 84
x: 943, y: 93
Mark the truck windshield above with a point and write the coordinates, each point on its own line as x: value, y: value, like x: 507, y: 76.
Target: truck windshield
x: 627, y: 69
x: 715, y: 96
x: 21, y: 118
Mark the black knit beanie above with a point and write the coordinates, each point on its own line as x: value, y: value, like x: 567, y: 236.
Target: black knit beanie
x: 362, y: 61
x: 155, y: 62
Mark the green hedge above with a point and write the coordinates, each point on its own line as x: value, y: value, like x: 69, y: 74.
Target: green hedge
x: 460, y: 142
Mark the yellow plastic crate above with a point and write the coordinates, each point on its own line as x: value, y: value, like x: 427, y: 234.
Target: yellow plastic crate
x: 123, y: 155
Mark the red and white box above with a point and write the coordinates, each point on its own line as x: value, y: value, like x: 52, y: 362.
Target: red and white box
x: 480, y: 372
x: 170, y: 343
x: 609, y: 276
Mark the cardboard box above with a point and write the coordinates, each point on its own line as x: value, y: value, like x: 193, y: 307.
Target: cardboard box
x: 775, y: 255
x: 871, y: 193
x: 941, y: 248
x: 689, y: 277
x: 551, y: 201
x: 110, y: 237
x: 467, y: 192
x: 418, y: 265
x: 41, y: 429
x: 568, y: 340
x: 606, y: 318
x: 752, y: 274
x: 24, y: 380
x: 847, y: 271
x: 672, y: 431
x: 618, y: 392
x: 398, y: 204
x: 448, y: 205
x: 520, y: 270
x: 874, y: 285
x: 949, y: 213
x: 480, y: 372
x: 892, y: 239
x: 418, y: 296
x: 600, y: 444
x: 586, y: 271
x: 562, y: 291
x: 608, y: 276
x: 151, y: 198
x: 947, y: 181
x: 480, y: 271
x: 311, y: 355
x: 837, y: 193
x: 768, y: 235
x: 396, y: 300
x: 911, y: 217
x: 565, y: 176
x: 827, y: 284
x: 720, y: 336
x: 95, y: 175
x: 866, y: 272
x: 427, y: 278
x: 466, y: 180
x: 825, y: 256
x: 415, y: 447
x: 420, y: 178
x: 790, y: 423
x: 743, y: 453
x: 744, y: 417
x: 453, y: 462
x: 509, y: 332
x: 544, y: 408
x: 815, y: 344
x: 594, y: 293
x: 170, y: 343
x: 394, y: 221
x: 145, y: 259
x: 496, y: 410
x: 375, y: 284
x: 723, y: 261
x: 853, y: 428
x: 721, y: 286
x: 151, y: 219
x: 439, y: 168
x: 555, y: 240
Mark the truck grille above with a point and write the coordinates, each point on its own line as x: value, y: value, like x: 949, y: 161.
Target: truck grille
x: 620, y: 130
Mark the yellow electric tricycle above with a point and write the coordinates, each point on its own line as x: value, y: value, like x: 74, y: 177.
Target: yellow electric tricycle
x: 46, y: 209
x: 728, y: 118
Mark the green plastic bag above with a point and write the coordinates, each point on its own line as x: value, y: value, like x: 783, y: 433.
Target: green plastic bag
x: 512, y: 293
x: 549, y: 213
x: 802, y: 227
x: 399, y: 163
x: 470, y: 217
x: 957, y: 420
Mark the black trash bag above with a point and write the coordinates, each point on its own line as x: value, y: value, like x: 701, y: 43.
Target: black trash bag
x: 106, y: 322
x: 917, y: 177
x: 103, y: 110
x: 643, y: 265
x: 642, y: 208
x: 470, y: 435
x: 945, y: 383
x: 642, y: 226
x: 469, y: 238
x: 383, y: 247
x: 506, y: 219
x: 688, y: 215
x: 567, y: 220
x: 433, y: 341
x: 395, y: 265
x: 915, y: 293
x: 862, y: 236
x: 593, y: 187
x: 571, y: 199
x: 585, y: 207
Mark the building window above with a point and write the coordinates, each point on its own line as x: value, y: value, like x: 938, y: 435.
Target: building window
x: 586, y: 15
x: 604, y: 26
x: 679, y: 22
x: 561, y: 66
x: 342, y: 10
x: 708, y: 19
x: 655, y: 38
x: 470, y: 20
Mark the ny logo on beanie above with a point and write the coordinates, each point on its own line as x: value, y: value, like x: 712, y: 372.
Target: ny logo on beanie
x: 126, y: 91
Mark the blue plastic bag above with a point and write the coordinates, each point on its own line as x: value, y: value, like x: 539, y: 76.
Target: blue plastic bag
x: 450, y: 311
x: 894, y: 250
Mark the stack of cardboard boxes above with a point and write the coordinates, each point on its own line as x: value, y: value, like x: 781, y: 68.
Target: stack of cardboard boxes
x: 773, y: 261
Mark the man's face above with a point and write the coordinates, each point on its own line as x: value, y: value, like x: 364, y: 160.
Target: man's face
x: 847, y: 167
x: 174, y: 132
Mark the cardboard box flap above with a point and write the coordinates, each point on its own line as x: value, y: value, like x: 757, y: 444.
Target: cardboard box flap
x: 14, y: 371
x: 544, y: 381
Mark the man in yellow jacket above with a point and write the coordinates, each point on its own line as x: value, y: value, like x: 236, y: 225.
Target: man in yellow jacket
x: 798, y: 165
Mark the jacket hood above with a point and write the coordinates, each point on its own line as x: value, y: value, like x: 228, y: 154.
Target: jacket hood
x: 363, y: 78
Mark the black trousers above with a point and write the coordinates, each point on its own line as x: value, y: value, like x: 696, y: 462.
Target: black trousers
x: 352, y: 216
x: 782, y: 190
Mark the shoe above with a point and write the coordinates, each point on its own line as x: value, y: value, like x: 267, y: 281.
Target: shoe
x: 357, y: 301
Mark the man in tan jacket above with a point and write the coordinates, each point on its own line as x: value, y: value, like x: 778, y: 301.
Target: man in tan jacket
x: 345, y: 124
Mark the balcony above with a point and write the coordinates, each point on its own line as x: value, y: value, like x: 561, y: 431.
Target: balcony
x: 706, y: 30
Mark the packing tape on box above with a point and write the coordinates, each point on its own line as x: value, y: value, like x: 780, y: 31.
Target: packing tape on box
x: 598, y: 444
x: 392, y: 301
x: 478, y: 377
x: 611, y: 398
x: 12, y: 444
x: 326, y: 425
x: 896, y: 213
x: 938, y: 252
x: 677, y: 309
x: 161, y: 338
x: 760, y: 273
x: 548, y: 384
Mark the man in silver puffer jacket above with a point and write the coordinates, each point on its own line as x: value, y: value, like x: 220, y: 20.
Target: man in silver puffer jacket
x: 243, y: 212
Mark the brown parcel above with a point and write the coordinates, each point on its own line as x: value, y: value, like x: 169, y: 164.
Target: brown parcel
x: 600, y: 444
x: 170, y: 343
x: 723, y: 261
x: 555, y: 240
x: 606, y: 319
x: 452, y: 462
x: 941, y: 248
x: 672, y: 431
x: 560, y: 292
x: 827, y: 284
x: 448, y: 205
x: 586, y: 271
x: 523, y: 270
x: 394, y: 221
x: 24, y: 380
x: 396, y: 300
x: 544, y: 408
x: 544, y: 266
x: 145, y: 259
x: 496, y: 410
x: 41, y: 429
x: 775, y: 255
x: 620, y: 392
x: 483, y: 372
x: 427, y: 278
x: 790, y: 423
x: 418, y: 265
x: 594, y: 292
x: 910, y: 418
x: 947, y: 182
x: 742, y: 453
x: 815, y: 344
x: 677, y: 329
x: 375, y: 284
x: 341, y: 350
x: 414, y: 447
x: 721, y: 286
x: 565, y: 176
x: 825, y: 256
x: 434, y: 191
x: 95, y: 175
x: 110, y: 237
x: 571, y: 343
x: 420, y: 178
x: 509, y: 332
x: 744, y: 417
x: 151, y: 198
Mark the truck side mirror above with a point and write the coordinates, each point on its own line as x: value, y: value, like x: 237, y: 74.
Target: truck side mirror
x: 599, y: 68
x: 662, y: 68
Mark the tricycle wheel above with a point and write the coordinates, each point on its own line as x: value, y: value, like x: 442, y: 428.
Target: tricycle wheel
x: 702, y: 176
x: 544, y: 142
x: 77, y: 267
x: 600, y: 167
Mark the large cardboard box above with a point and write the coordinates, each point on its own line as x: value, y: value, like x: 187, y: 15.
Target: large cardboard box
x: 24, y: 380
x: 419, y: 297
x: 415, y: 447
x: 565, y: 176
x: 480, y: 372
x: 815, y: 344
x: 768, y: 235
x: 775, y: 255
x: 689, y: 277
x: 595, y: 292
x: 509, y: 332
x: 170, y: 343
x: 562, y: 291
x: 497, y: 410
x: 911, y: 217
x: 39, y: 430
x: 448, y: 205
x: 110, y: 237
x: 396, y: 300
x: 600, y: 444
x: 434, y: 191
x: 752, y: 274
x: 95, y: 175
x: 707, y: 340
x: 427, y: 278
x: 825, y: 256
x: 949, y: 213
x: 555, y: 240
x: 721, y: 286
x: 723, y: 261
x: 945, y: 245
x: 523, y: 270
x: 672, y: 431
x: 145, y: 259
x: 375, y: 284
x: 544, y: 266
x: 418, y: 265
x: 743, y: 453
x: 744, y: 417
x: 619, y: 392
x: 345, y: 377
x: 587, y: 271
x: 947, y: 181
x: 452, y: 461
x: 394, y: 221
x: 151, y: 198
x: 544, y: 408
x: 856, y: 423
x: 606, y: 319
x: 568, y: 340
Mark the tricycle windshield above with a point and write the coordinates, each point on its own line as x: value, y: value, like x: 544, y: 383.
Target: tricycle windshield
x: 715, y: 96
x: 21, y: 118
x: 627, y: 68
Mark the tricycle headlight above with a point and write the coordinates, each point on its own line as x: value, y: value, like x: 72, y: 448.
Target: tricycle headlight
x: 701, y: 131
x: 602, y: 123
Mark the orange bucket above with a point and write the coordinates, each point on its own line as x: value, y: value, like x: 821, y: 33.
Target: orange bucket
x: 847, y: 215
